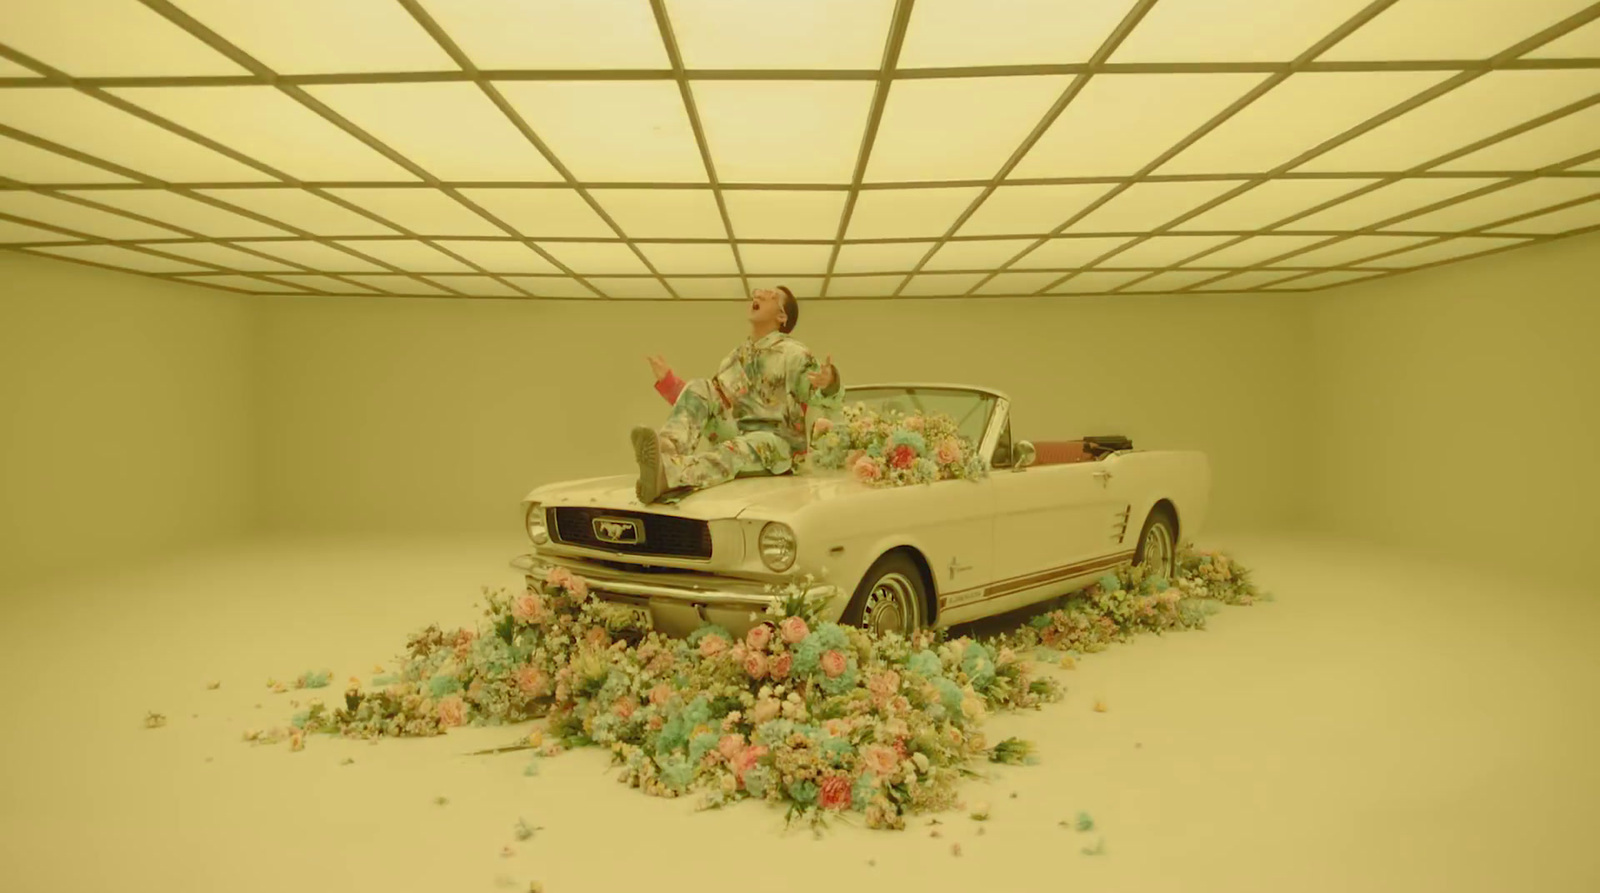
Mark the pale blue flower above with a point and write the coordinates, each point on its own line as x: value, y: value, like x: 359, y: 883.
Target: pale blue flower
x: 757, y: 780
x: 443, y: 685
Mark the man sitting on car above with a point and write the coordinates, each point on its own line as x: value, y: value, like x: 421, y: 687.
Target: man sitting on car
x: 748, y: 418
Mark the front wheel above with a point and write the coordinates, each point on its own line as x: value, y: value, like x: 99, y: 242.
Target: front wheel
x: 1157, y: 549
x: 890, y: 597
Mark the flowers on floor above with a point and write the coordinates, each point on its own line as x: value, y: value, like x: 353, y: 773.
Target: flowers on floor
x: 821, y: 719
x: 894, y: 450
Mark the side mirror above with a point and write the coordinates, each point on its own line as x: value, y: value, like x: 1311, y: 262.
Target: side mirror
x: 1022, y: 455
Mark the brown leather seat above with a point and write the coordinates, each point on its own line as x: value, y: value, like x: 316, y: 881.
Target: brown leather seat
x: 1060, y: 452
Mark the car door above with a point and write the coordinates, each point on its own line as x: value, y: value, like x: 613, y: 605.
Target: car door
x: 1051, y: 521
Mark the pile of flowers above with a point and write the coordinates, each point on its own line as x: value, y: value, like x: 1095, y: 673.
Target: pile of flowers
x: 822, y: 719
x: 894, y: 449
x: 1132, y: 601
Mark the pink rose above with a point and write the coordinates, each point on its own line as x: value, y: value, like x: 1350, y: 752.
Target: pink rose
x: 747, y: 759
x: 533, y: 681
x: 625, y: 706
x: 713, y: 645
x: 528, y: 608
x: 834, y: 792
x: 823, y: 426
x: 794, y: 629
x: 452, y: 711
x: 597, y: 637
x: 880, y: 760
x: 755, y: 663
x: 730, y: 746
x: 949, y: 452
x: 579, y: 587
x: 758, y: 637
x: 660, y: 694
x: 866, y: 470
x: 559, y: 576
x: 779, y: 666
x: 914, y: 423
x: 854, y: 457
x: 833, y: 663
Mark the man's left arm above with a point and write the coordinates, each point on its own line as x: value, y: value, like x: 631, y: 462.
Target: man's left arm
x: 804, y: 372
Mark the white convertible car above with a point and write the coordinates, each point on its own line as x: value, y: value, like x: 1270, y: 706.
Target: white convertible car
x: 1050, y: 518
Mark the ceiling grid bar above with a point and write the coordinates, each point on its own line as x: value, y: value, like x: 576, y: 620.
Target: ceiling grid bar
x: 896, y: 39
x: 794, y: 74
x: 669, y: 40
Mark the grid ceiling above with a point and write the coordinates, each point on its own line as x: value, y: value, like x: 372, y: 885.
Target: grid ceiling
x: 853, y: 149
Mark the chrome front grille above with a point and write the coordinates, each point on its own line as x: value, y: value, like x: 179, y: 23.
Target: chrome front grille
x: 631, y: 533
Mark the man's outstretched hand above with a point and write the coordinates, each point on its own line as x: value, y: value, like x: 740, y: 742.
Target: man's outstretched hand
x: 659, y: 366
x: 822, y: 379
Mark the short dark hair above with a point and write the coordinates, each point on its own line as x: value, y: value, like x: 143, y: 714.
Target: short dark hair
x: 791, y: 310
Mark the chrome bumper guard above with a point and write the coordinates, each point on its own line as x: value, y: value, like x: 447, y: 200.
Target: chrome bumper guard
x: 608, y: 580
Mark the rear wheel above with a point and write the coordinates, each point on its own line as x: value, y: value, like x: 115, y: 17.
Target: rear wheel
x: 891, y: 597
x: 1157, y: 549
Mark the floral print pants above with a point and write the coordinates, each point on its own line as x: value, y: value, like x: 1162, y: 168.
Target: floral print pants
x: 704, y: 446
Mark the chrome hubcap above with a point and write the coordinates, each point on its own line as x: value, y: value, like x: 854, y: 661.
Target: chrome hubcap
x: 1158, y: 550
x: 891, y: 605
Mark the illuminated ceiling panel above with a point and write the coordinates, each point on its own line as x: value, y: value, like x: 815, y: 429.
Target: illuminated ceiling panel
x: 950, y: 33
x: 825, y: 34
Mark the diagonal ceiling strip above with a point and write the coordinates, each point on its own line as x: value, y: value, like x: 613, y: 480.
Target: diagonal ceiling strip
x: 1368, y: 13
x: 669, y: 40
x: 1370, y: 124
x: 880, y: 98
x: 1391, y: 272
x: 1107, y: 47
x: 1378, y: 227
x: 1506, y: 180
x: 183, y: 20
x: 84, y: 239
x: 1432, y: 93
x: 454, y: 51
x: 164, y: 277
x: 787, y: 74
x: 148, y: 182
x: 190, y: 191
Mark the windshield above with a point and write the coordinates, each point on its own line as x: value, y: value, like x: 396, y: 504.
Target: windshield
x: 969, y: 409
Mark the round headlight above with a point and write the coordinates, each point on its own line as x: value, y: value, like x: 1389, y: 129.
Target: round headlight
x: 535, y: 522
x: 777, y: 546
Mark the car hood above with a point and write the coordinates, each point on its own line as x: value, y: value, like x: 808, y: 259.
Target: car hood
x: 767, y: 495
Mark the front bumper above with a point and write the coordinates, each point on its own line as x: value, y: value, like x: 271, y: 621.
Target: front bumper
x: 678, y: 603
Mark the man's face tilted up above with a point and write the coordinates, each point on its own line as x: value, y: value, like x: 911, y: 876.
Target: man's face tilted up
x: 766, y: 310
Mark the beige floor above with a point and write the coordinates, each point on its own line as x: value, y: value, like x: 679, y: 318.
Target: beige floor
x: 1382, y: 726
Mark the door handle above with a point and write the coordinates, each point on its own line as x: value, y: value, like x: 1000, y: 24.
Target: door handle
x: 1104, y: 477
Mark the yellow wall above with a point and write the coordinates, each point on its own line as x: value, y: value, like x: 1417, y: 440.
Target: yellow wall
x: 125, y: 416
x: 1458, y: 409
x: 400, y: 414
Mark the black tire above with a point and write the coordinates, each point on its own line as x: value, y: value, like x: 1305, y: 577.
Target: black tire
x: 1158, y: 542
x: 892, y: 597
